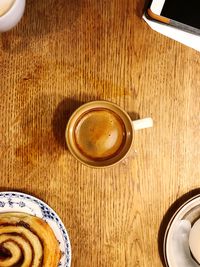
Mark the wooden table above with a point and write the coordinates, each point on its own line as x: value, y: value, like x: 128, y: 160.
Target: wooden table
x: 65, y: 53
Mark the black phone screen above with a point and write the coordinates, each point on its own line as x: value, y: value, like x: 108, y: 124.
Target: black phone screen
x: 187, y: 12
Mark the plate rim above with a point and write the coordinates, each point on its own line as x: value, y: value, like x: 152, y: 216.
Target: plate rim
x: 51, y: 209
x: 170, y: 224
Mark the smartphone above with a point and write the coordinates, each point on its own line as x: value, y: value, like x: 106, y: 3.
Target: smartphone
x: 182, y: 14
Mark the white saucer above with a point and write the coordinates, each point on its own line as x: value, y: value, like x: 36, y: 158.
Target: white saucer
x: 20, y: 202
x: 184, y: 217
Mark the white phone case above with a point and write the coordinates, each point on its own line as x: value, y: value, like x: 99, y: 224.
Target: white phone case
x: 183, y: 37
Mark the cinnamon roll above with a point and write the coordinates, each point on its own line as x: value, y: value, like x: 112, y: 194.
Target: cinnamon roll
x: 27, y: 241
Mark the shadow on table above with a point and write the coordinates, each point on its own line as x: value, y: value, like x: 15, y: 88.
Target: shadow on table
x: 133, y: 115
x: 60, y: 118
x: 42, y: 127
x: 41, y: 18
x: 141, y: 6
x: 167, y: 217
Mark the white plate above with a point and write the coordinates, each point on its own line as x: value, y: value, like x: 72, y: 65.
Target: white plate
x: 20, y: 202
x: 184, y: 217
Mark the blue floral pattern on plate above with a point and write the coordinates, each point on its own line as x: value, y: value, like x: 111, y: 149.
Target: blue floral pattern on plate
x: 20, y: 202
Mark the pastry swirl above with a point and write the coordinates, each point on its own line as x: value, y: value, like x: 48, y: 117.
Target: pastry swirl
x: 27, y: 241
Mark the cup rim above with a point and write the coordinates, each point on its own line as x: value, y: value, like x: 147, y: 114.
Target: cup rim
x: 68, y: 129
x: 10, y: 10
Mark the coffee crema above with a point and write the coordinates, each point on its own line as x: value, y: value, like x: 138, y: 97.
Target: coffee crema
x: 100, y: 134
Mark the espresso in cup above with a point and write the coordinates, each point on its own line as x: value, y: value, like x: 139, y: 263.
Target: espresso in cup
x: 100, y: 133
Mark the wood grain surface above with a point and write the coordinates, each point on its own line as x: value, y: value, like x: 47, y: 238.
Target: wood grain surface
x: 65, y: 53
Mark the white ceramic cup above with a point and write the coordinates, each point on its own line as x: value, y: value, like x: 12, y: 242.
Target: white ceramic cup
x: 10, y: 19
x: 102, y: 140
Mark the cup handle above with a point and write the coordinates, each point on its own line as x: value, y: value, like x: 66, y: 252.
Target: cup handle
x: 142, y: 124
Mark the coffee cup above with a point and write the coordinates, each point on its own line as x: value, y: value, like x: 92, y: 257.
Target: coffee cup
x: 100, y: 133
x: 11, y: 11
